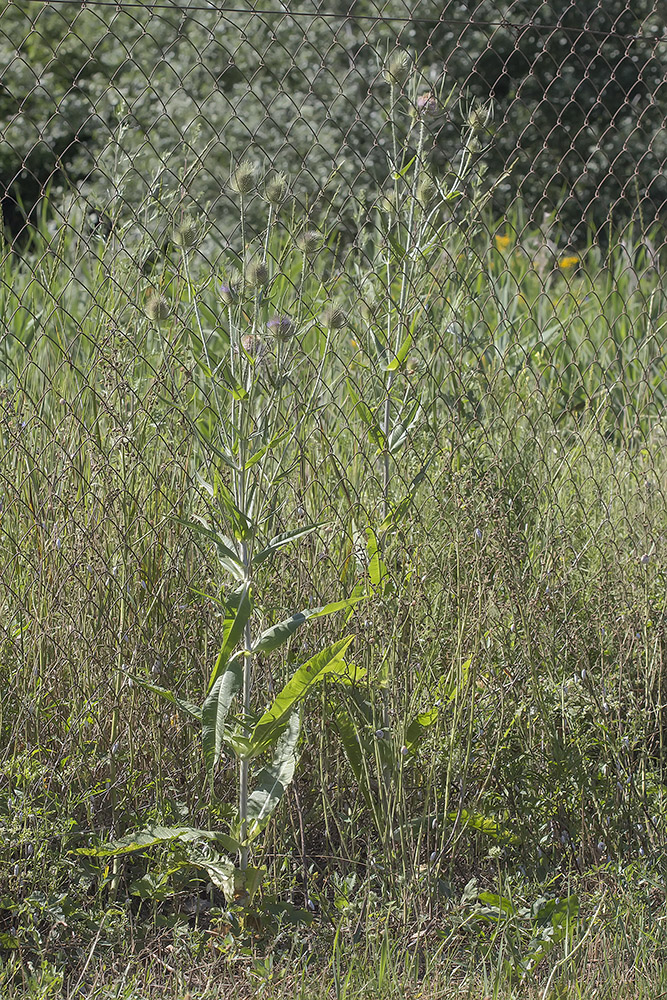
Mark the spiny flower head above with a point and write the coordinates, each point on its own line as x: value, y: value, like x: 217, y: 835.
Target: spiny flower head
x: 157, y: 307
x: 333, y: 318
x: 186, y: 234
x: 254, y: 346
x: 256, y: 273
x: 275, y: 190
x: 427, y: 104
x: 281, y: 327
x: 426, y: 190
x: 397, y: 67
x: 478, y: 117
x: 227, y: 291
x: 244, y: 178
x: 310, y: 242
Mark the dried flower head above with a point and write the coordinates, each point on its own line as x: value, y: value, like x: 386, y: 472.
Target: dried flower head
x: 156, y: 307
x: 244, y: 178
x: 275, y: 190
x: 333, y: 318
x: 254, y: 346
x: 397, y: 67
x: 186, y: 234
x: 310, y: 242
x: 256, y: 273
x: 281, y: 327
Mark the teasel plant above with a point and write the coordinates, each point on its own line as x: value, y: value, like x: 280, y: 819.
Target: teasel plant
x: 420, y: 243
x: 247, y: 440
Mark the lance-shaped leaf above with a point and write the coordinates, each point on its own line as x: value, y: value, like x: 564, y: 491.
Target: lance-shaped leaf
x: 224, y: 546
x: 354, y: 750
x: 401, y: 354
x: 284, y: 539
x: 375, y: 433
x: 194, y: 711
x: 153, y: 835
x: 240, y: 607
x: 215, y: 709
x: 274, y: 778
x: 274, y: 721
x: 258, y: 455
x: 275, y: 636
x: 401, y: 430
x: 377, y: 570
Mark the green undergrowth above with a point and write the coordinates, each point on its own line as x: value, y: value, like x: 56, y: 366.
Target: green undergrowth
x: 333, y: 591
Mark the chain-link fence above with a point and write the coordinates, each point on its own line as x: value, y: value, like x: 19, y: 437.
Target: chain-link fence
x: 352, y: 303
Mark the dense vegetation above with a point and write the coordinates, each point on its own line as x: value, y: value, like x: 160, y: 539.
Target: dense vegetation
x: 120, y: 103
x: 333, y: 585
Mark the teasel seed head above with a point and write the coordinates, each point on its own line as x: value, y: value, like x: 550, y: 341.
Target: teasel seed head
x: 426, y: 190
x: 478, y: 118
x: 157, y: 307
x: 254, y: 346
x: 275, y: 190
x: 310, y: 242
x: 244, y: 178
x: 281, y: 327
x: 397, y: 67
x: 256, y: 273
x: 228, y: 292
x: 186, y: 234
x: 333, y: 318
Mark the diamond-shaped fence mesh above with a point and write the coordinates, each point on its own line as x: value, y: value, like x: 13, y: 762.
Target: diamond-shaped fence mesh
x: 356, y: 300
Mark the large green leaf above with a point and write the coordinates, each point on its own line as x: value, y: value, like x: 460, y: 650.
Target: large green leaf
x: 153, y: 835
x: 273, y: 723
x: 215, y: 709
x: 275, y: 636
x: 274, y: 778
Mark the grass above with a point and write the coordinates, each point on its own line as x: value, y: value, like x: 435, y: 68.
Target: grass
x: 478, y: 443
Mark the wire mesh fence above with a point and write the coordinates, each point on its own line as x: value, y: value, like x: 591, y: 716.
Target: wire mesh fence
x: 357, y: 308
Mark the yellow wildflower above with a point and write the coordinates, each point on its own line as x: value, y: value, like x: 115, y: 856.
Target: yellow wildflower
x: 502, y: 242
x: 565, y: 263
